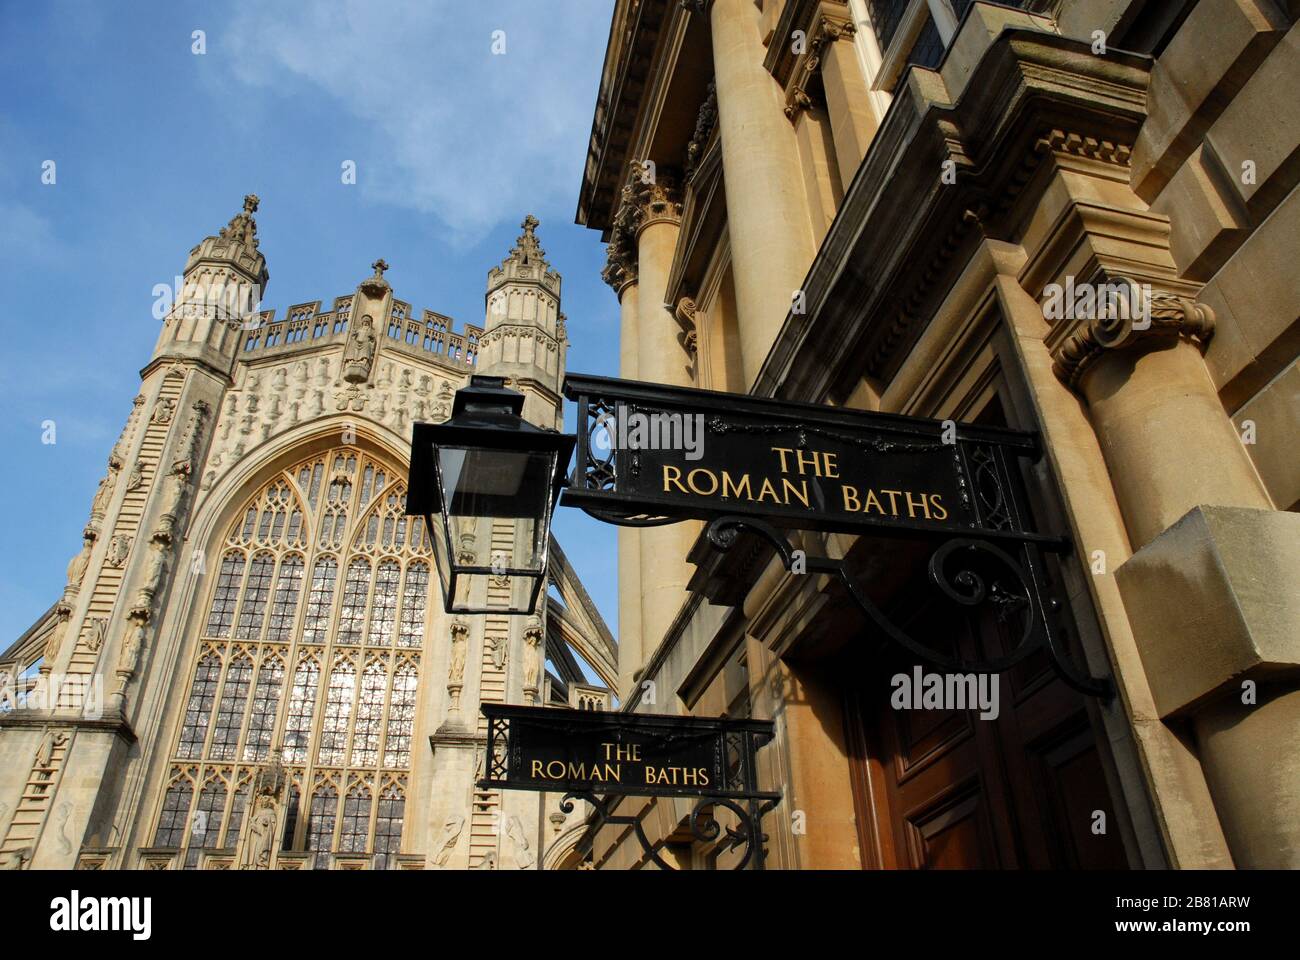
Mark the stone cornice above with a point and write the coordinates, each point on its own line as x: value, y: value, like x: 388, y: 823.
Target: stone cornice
x: 992, y: 132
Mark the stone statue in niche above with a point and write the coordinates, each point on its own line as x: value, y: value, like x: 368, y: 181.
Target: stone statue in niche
x: 360, y: 352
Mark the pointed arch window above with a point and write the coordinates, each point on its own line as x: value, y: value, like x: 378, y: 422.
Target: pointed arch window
x: 256, y: 592
x: 266, y: 704
x: 175, y: 815
x: 320, y: 820
x: 354, y: 828
x: 388, y: 820
x: 230, y: 714
x: 302, y: 707
x: 198, y: 709
x: 221, y: 613
x: 321, y: 582
x: 338, y: 711
x: 205, y: 824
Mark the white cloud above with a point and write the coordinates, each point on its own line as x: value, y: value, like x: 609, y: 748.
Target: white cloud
x: 439, y: 124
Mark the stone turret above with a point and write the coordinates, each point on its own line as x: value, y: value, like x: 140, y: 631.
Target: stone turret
x: 525, y: 339
x: 218, y: 296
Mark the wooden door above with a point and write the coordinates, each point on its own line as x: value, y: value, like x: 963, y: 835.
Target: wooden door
x: 940, y: 789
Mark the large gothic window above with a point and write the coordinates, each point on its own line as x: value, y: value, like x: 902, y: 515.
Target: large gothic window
x: 309, y: 649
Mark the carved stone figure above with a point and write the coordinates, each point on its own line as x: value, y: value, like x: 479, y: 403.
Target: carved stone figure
x: 524, y: 855
x: 135, y: 479
x: 499, y: 646
x: 52, y: 740
x: 456, y: 670
x: 260, y: 843
x: 242, y: 228
x: 447, y: 841
x: 55, y: 642
x: 183, y: 464
x: 14, y: 859
x: 119, y: 548
x: 77, y: 566
x: 102, y: 495
x: 155, y: 569
x: 94, y: 632
x: 360, y: 352
x: 163, y: 410
x: 532, y: 658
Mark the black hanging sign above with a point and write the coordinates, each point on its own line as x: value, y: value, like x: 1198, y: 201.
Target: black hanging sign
x: 649, y: 453
x: 612, y: 753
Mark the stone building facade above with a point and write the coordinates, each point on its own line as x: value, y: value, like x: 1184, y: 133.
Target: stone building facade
x: 249, y: 666
x: 878, y: 204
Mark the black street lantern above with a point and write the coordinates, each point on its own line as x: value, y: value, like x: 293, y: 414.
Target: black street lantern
x: 486, y: 482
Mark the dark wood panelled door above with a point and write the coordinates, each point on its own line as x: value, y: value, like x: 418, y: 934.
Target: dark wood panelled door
x: 946, y: 789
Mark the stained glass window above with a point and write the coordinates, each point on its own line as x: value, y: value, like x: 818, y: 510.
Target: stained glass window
x: 286, y: 620
x: 230, y: 714
x: 198, y: 709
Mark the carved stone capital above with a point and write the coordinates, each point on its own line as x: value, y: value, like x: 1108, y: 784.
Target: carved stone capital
x: 700, y: 7
x: 656, y: 196
x: 1159, y: 317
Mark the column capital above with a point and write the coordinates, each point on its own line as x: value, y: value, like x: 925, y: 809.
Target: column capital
x: 696, y: 6
x: 1137, y: 318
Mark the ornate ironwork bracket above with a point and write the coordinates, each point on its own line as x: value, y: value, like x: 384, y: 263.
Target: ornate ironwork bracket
x: 968, y: 571
x: 704, y: 826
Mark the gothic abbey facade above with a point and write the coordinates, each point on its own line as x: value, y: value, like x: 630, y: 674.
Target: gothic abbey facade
x: 249, y: 666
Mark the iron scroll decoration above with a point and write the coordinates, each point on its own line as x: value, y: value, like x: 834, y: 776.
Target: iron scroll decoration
x: 993, y: 558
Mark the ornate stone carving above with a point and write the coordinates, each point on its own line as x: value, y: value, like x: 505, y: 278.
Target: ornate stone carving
x: 376, y: 286
x: 500, y: 647
x: 77, y: 565
x: 360, y: 353
x: 1167, y: 316
x: 184, y: 463
x: 685, y: 315
x: 524, y: 855
x: 242, y: 228
x: 135, y: 479
x: 163, y: 410
x: 451, y: 831
x: 93, y: 633
x: 102, y: 495
x: 54, y: 642
x: 532, y: 658
x: 15, y: 859
x: 119, y: 548
x: 456, y: 669
x: 705, y: 121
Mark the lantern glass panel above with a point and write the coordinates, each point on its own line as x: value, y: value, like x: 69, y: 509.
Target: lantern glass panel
x: 496, y: 507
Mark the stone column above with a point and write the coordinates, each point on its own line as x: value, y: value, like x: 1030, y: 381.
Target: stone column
x: 621, y: 274
x: 1209, y: 588
x: 660, y: 359
x: 1167, y: 441
x: 767, y: 211
x: 848, y: 99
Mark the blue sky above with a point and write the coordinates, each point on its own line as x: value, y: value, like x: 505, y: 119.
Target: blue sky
x: 155, y: 146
